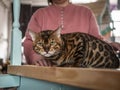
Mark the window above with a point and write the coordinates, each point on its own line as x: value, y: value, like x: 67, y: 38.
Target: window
x: 115, y: 15
x: 83, y: 1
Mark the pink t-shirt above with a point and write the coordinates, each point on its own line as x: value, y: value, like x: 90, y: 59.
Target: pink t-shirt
x: 73, y: 18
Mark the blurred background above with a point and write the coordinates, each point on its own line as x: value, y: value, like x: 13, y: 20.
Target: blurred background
x: 107, y: 14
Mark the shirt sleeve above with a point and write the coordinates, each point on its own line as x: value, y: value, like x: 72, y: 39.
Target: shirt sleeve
x: 29, y: 53
x: 35, y: 21
x: 33, y: 25
x: 93, y: 27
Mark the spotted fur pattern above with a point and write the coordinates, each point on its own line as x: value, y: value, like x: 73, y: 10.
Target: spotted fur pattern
x: 74, y: 50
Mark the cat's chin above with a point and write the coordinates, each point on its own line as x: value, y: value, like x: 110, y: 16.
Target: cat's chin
x: 47, y: 55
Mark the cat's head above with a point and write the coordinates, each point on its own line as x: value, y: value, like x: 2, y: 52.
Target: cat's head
x: 47, y: 43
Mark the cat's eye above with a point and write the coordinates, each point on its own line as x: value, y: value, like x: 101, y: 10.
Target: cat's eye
x: 39, y: 43
x: 52, y: 42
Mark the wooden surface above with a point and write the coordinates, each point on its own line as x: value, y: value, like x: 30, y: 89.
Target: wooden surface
x: 81, y: 77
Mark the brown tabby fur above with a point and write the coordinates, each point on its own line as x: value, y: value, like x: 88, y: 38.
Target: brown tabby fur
x: 74, y: 49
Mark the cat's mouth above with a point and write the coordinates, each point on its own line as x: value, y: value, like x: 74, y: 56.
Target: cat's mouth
x: 47, y: 54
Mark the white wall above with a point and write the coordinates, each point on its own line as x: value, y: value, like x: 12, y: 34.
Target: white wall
x: 35, y: 2
x: 3, y: 30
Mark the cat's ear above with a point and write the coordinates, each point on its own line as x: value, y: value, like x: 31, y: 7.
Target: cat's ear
x: 57, y: 32
x: 32, y: 34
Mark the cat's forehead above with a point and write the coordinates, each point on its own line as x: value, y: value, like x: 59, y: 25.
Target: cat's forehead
x: 45, y: 34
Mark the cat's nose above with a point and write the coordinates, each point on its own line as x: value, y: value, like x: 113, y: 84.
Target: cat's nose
x: 47, y: 49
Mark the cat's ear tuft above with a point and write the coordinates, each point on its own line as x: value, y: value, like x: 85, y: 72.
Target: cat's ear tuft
x: 32, y: 34
x: 58, y: 31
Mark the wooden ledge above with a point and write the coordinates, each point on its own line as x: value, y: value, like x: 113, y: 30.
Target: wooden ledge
x: 81, y: 77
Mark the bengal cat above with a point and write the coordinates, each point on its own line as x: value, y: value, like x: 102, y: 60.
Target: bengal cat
x: 74, y: 49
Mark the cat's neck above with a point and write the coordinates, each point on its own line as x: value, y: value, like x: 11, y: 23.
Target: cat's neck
x: 58, y: 58
x: 54, y: 59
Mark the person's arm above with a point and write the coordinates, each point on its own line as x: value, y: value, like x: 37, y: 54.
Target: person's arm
x: 32, y: 57
x: 93, y: 26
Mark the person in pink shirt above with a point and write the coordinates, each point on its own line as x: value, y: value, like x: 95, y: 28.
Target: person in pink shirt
x: 71, y: 17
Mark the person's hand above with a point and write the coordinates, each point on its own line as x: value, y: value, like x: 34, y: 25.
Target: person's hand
x: 39, y: 60
x: 42, y: 62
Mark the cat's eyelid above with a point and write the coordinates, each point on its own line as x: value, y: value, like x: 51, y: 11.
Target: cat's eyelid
x: 40, y: 43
